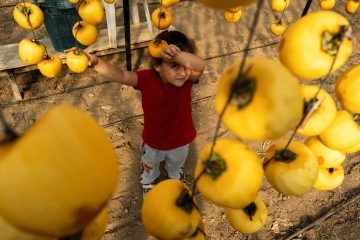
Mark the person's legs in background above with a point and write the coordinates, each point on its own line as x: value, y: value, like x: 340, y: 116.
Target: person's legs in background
x: 149, y: 166
x: 175, y: 160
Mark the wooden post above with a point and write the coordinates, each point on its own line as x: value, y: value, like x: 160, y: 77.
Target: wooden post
x: 147, y: 14
x: 126, y: 12
x: 111, y: 23
x: 134, y: 12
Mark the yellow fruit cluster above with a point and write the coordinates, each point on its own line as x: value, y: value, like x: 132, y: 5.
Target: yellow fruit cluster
x: 262, y: 99
x: 32, y: 51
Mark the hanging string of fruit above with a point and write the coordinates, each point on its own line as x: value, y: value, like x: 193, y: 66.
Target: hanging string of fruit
x: 278, y: 27
x: 170, y: 200
x: 91, y: 13
x: 258, y: 110
x: 219, y: 161
x: 221, y: 178
x: 320, y: 113
x: 161, y: 18
x: 32, y: 51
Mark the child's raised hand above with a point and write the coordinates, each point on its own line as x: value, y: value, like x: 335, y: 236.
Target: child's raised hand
x: 169, y: 52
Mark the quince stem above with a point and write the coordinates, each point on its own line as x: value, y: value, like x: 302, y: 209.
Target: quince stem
x: 331, y: 42
x: 285, y: 156
x: 185, y: 201
x: 215, y: 165
x: 250, y: 210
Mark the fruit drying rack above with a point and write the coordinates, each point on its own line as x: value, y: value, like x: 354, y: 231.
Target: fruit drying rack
x: 111, y: 40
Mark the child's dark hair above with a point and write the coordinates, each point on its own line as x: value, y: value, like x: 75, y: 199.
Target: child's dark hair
x: 176, y: 38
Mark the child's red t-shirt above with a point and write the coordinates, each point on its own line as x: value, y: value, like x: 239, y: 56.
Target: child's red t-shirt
x: 167, y: 110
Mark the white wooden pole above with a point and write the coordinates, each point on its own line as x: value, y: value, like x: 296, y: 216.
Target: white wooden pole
x: 147, y: 14
x: 134, y: 12
x: 111, y: 23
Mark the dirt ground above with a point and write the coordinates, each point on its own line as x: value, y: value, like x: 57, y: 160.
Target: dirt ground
x: 117, y: 108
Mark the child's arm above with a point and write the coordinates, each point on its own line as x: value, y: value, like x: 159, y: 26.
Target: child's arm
x: 111, y: 71
x: 186, y: 59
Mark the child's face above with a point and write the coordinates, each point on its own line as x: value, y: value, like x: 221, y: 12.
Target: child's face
x: 173, y: 73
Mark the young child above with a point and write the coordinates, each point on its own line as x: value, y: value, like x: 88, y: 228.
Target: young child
x: 166, y: 102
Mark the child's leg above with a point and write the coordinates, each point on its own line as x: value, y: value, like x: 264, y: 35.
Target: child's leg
x: 150, y: 164
x: 175, y: 160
